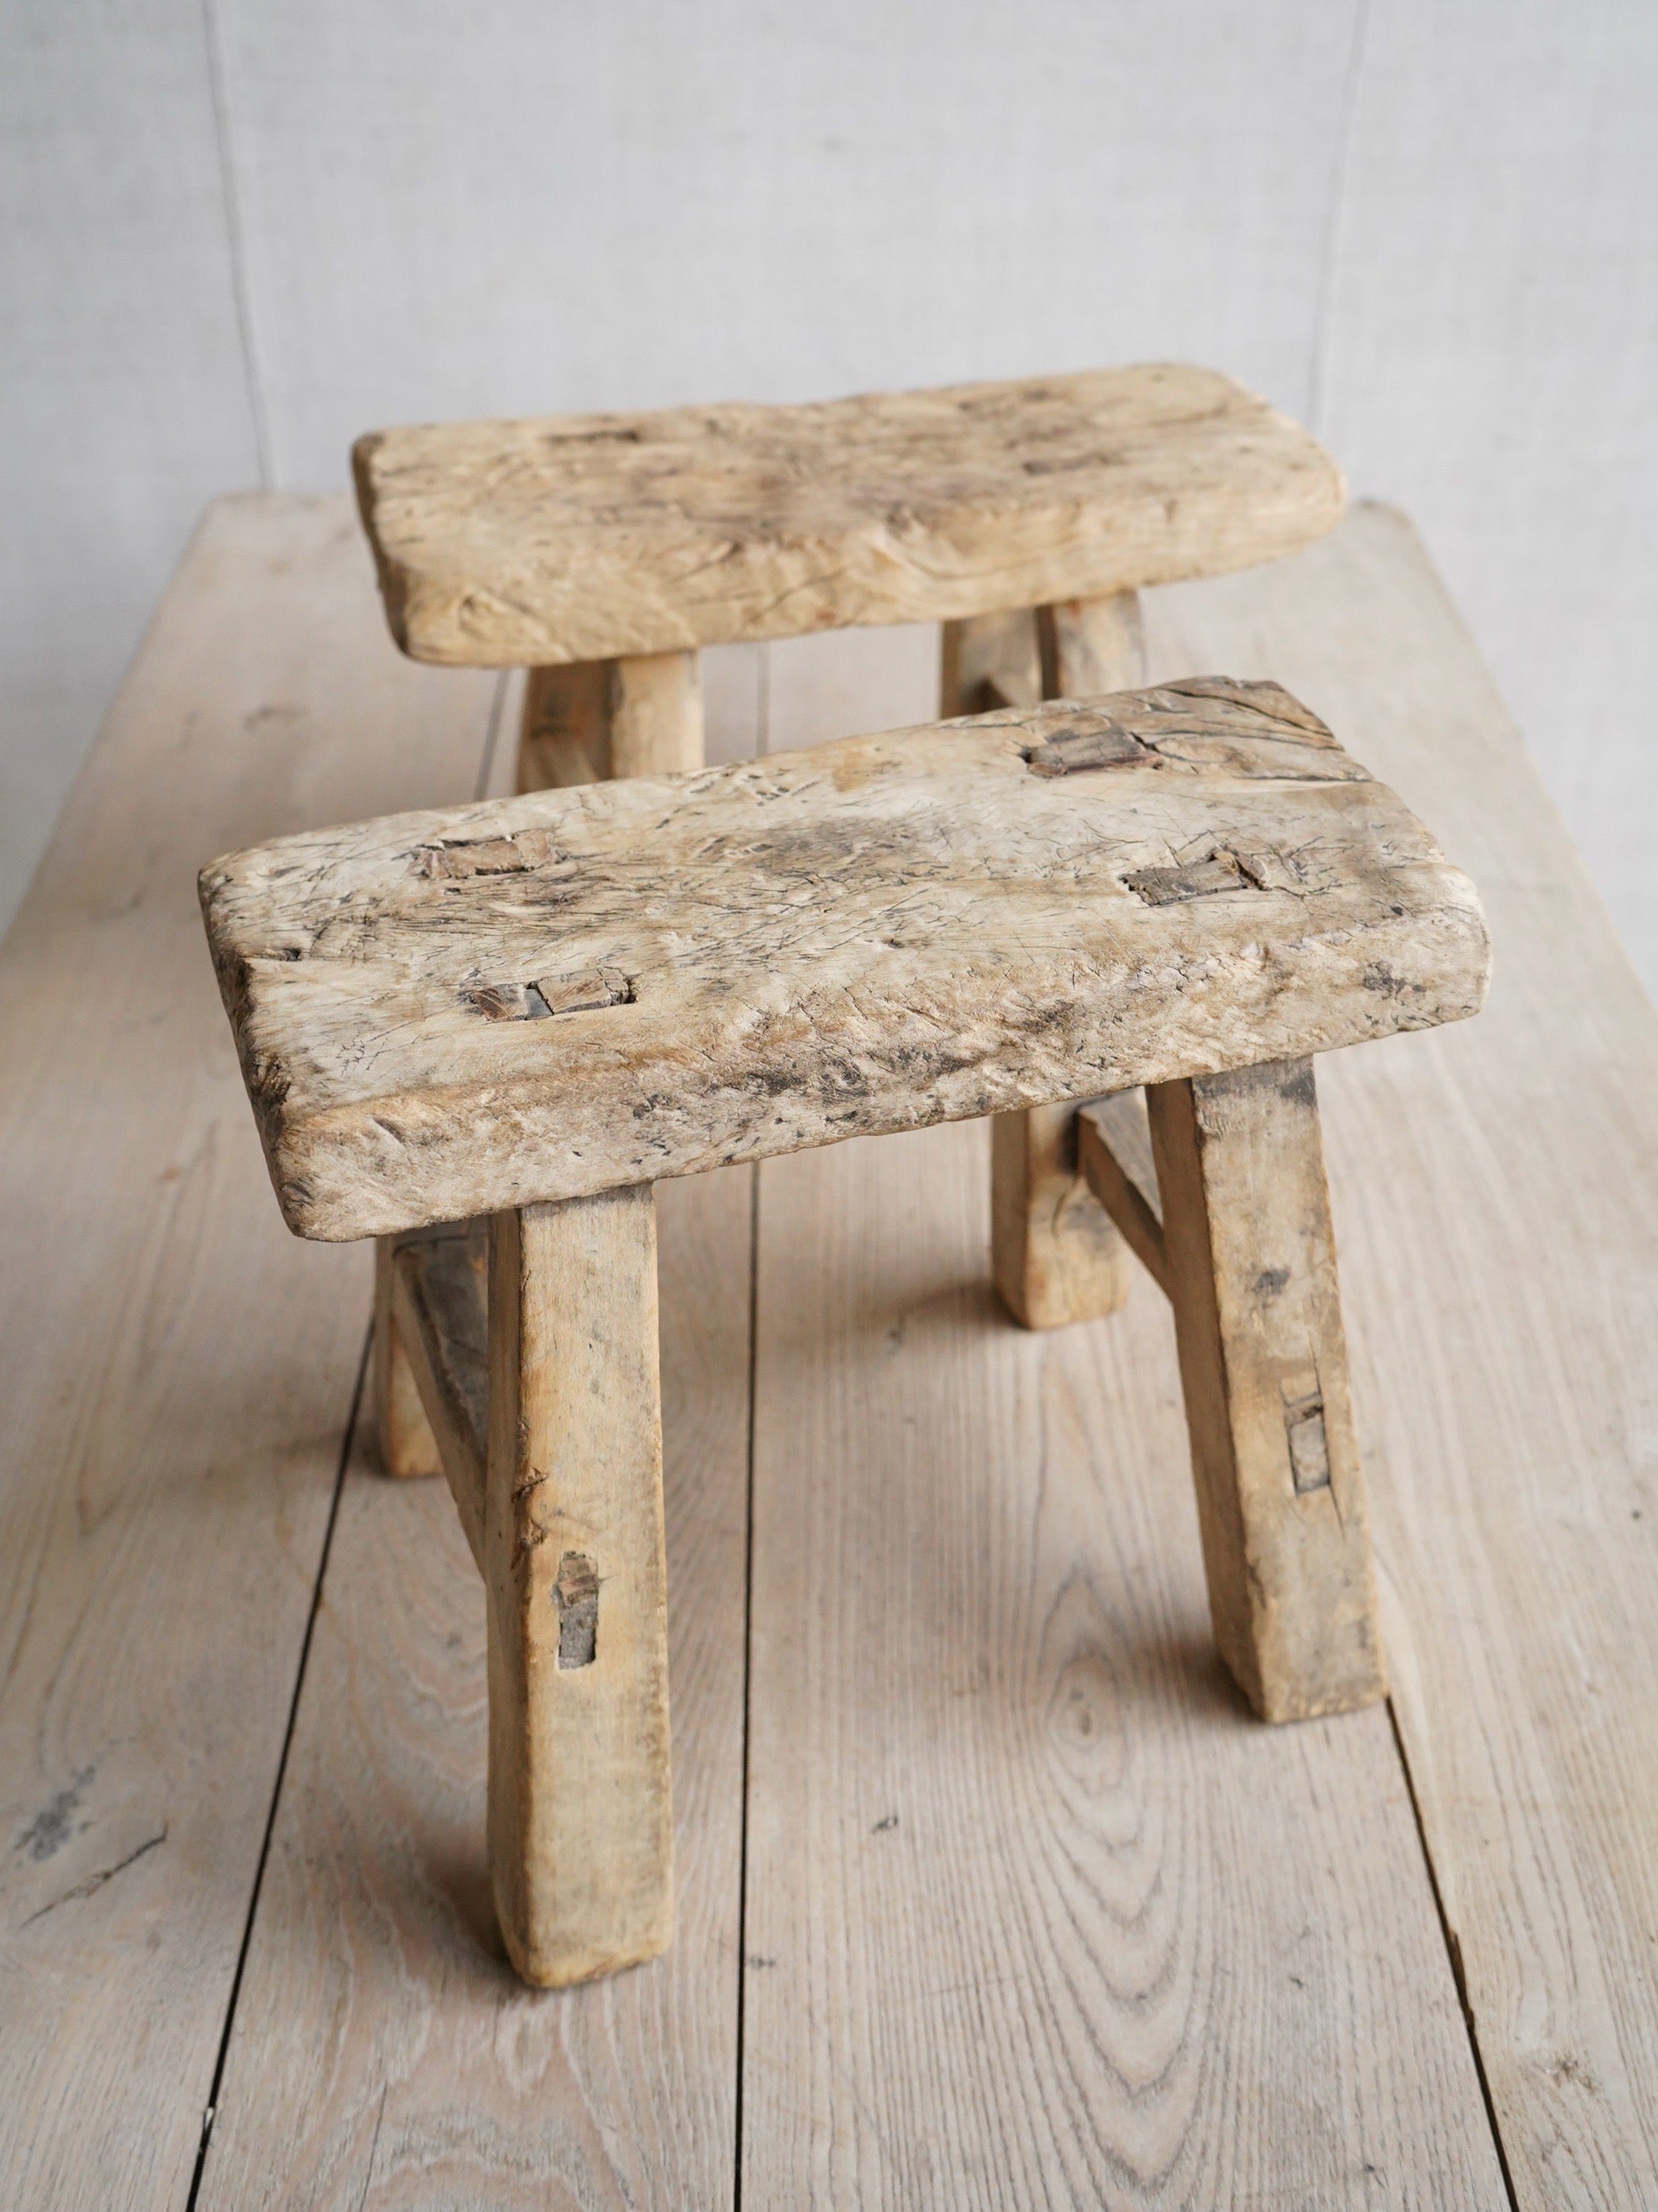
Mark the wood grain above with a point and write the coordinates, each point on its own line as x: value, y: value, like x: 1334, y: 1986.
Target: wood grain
x: 442, y: 1015
x: 385, y: 2058
x: 583, y: 537
x: 1113, y: 1153
x: 1251, y: 1276
x: 580, y: 1808
x: 1037, y: 1914
x: 408, y: 1449
x: 1054, y: 1256
x: 176, y: 1377
x: 440, y: 1307
x: 1504, y: 1385
x: 586, y: 721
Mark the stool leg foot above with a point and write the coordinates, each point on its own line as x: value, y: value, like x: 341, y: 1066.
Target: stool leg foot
x: 1251, y: 1270
x: 580, y: 1814
x: 593, y: 719
x: 408, y: 1446
x: 1055, y: 1256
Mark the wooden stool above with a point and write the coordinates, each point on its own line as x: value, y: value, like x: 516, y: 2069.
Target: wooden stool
x: 600, y: 551
x: 529, y: 1011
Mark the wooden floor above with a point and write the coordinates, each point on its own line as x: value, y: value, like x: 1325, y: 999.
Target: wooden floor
x: 991, y: 1893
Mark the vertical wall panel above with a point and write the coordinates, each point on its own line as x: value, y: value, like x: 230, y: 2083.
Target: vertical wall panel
x: 532, y: 208
x: 1493, y: 366
x: 124, y: 405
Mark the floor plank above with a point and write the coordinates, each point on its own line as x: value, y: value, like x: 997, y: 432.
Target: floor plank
x: 1038, y: 1913
x: 176, y: 1371
x: 1496, y: 1189
x: 384, y: 2055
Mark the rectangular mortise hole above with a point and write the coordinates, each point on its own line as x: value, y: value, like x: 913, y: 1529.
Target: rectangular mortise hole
x: 1309, y: 1446
x: 576, y: 1595
x: 584, y: 993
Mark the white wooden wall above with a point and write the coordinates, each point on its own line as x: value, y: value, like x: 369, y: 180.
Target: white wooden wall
x: 234, y: 232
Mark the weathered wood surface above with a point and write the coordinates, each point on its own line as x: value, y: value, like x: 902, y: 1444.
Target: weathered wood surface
x: 176, y: 1379
x: 583, y: 537
x: 1113, y: 1153
x: 440, y: 1306
x: 384, y: 2056
x: 1496, y: 1194
x: 581, y: 1811
x: 408, y: 1448
x: 1054, y: 1256
x: 447, y: 1014
x: 1251, y: 1275
x: 586, y: 721
x: 1037, y: 1914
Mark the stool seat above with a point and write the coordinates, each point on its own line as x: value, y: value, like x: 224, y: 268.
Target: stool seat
x: 447, y: 1014
x: 586, y: 537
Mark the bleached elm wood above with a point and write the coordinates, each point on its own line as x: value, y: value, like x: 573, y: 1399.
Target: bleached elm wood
x: 384, y: 2051
x: 1091, y: 646
x: 175, y: 1378
x: 1056, y: 1257
x: 580, y: 1812
x: 1251, y: 1275
x: 988, y: 661
x: 442, y: 1015
x: 582, y: 723
x: 1036, y: 1914
x: 408, y: 1449
x: 589, y: 536
x: 1505, y: 1407
x: 1113, y: 1153
x: 587, y: 722
x: 440, y: 1300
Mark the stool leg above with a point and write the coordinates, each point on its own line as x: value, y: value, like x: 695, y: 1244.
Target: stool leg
x: 580, y: 1827
x: 1252, y: 1278
x: 1055, y: 1254
x: 407, y: 1445
x: 593, y: 719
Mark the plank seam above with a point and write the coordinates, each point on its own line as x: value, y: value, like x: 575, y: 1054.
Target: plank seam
x: 481, y: 789
x: 258, y: 408
x: 748, y: 1671
x: 1329, y: 275
x: 1454, y: 1953
x: 346, y: 1442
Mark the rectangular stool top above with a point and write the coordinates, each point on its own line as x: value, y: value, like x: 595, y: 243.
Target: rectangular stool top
x: 446, y: 1013
x: 590, y: 536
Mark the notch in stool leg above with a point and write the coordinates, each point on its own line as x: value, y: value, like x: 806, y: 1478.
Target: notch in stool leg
x: 580, y: 1812
x: 1252, y: 1277
x: 592, y: 720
